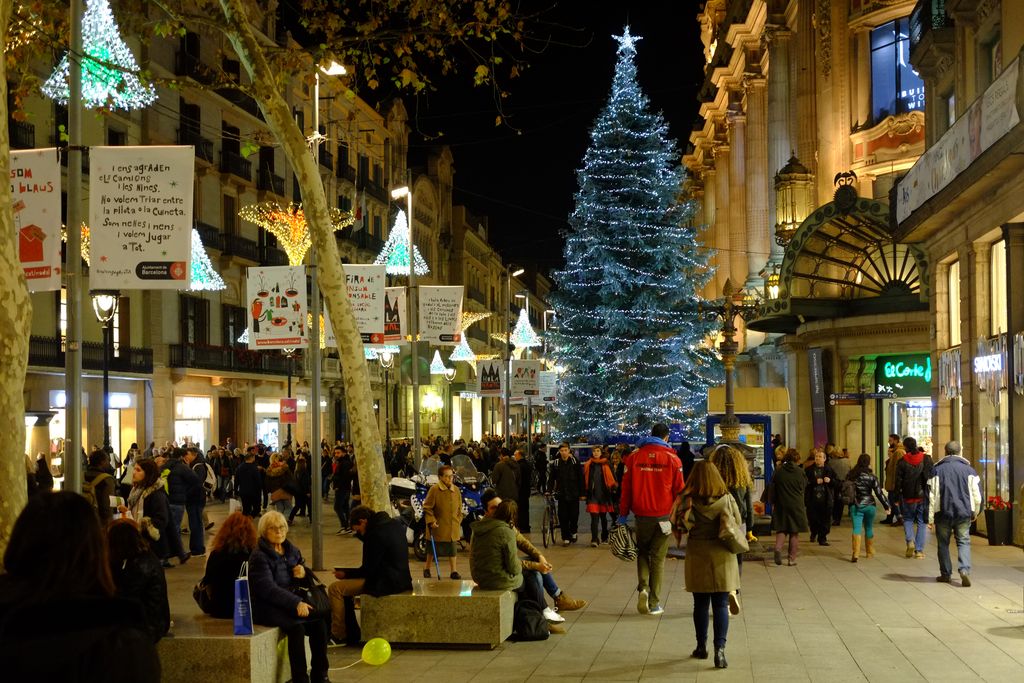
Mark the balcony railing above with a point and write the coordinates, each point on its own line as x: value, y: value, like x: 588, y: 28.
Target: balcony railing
x: 345, y: 172
x: 191, y: 66
x: 49, y: 352
x: 272, y: 256
x: 236, y: 245
x: 240, y: 100
x: 376, y: 190
x: 479, y: 334
x: 235, y: 164
x: 209, y: 234
x: 23, y: 134
x: 927, y: 15
x: 204, y: 147
x: 365, y: 240
x: 234, y: 358
x: 476, y: 295
x: 326, y: 159
x: 270, y: 182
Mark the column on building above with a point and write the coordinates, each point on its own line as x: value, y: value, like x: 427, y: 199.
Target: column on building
x: 975, y: 313
x: 738, y: 246
x: 723, y: 238
x: 710, y: 179
x: 1013, y: 233
x: 938, y: 304
x: 780, y: 144
x: 804, y: 78
x: 758, y: 180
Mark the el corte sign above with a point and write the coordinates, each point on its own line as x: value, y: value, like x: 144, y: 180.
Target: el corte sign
x: 908, y: 375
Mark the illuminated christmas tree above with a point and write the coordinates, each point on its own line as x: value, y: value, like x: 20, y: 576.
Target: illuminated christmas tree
x: 203, y: 276
x: 630, y: 335
x: 523, y: 336
x: 395, y: 254
x: 108, y: 66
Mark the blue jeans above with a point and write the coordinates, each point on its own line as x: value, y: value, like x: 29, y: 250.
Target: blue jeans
x: 913, y: 513
x: 719, y: 604
x: 173, y: 531
x: 197, y: 532
x: 283, y: 506
x: 944, y: 528
x: 531, y: 588
x: 863, y: 516
x: 550, y: 587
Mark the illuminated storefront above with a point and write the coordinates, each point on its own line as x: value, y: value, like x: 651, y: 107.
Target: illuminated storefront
x: 908, y: 379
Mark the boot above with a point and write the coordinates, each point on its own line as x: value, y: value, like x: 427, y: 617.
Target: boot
x: 870, y: 545
x: 856, y: 548
x: 563, y: 603
x: 910, y: 549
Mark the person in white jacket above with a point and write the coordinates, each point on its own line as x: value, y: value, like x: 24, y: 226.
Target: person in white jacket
x: 954, y: 493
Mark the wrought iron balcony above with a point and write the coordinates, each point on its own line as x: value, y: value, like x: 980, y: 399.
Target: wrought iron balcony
x: 49, y: 352
x: 240, y: 100
x: 326, y: 158
x: 927, y: 16
x: 188, y: 135
x: 480, y: 334
x: 272, y: 256
x: 269, y: 182
x: 365, y: 240
x: 232, y: 358
x: 235, y: 164
x: 345, y: 172
x: 476, y: 295
x: 376, y: 190
x: 191, y: 66
x: 23, y: 134
x: 243, y: 247
x: 209, y: 234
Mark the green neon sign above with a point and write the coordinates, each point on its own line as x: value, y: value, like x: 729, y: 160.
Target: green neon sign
x: 905, y: 375
x: 902, y: 369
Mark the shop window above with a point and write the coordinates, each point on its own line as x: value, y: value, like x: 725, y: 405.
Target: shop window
x: 954, y: 304
x: 997, y: 288
x: 895, y: 86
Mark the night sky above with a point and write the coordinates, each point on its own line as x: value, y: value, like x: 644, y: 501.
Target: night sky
x: 524, y: 180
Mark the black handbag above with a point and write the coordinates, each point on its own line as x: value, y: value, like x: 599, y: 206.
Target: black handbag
x: 203, y: 595
x: 313, y: 592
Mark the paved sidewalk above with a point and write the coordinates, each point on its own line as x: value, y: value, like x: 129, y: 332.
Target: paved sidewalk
x: 826, y: 619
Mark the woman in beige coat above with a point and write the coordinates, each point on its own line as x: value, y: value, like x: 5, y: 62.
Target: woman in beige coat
x: 711, y: 572
x: 442, y: 511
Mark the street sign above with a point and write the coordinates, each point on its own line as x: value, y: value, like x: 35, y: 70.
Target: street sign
x: 845, y: 399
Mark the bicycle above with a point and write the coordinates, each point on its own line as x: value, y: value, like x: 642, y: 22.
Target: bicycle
x: 549, y: 521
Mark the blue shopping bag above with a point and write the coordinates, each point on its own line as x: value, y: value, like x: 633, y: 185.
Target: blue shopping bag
x: 243, y: 603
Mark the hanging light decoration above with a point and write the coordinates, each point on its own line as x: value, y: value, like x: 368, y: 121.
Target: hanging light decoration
x: 395, y: 254
x: 108, y: 66
x: 523, y: 336
x: 436, y: 364
x: 85, y: 240
x: 374, y: 352
x: 288, y: 224
x: 462, y: 352
x: 203, y: 277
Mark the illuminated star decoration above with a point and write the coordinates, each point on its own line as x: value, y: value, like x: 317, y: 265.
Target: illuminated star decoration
x: 436, y: 364
x: 203, y: 277
x: 627, y: 41
x: 395, y: 254
x: 289, y: 226
x: 471, y: 317
x: 523, y: 336
x: 462, y: 352
x: 108, y: 66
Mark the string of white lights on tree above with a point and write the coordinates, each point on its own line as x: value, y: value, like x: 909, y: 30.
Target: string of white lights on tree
x: 108, y: 66
x: 630, y: 335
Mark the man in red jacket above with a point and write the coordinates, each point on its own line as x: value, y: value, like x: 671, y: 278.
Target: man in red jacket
x: 652, y: 478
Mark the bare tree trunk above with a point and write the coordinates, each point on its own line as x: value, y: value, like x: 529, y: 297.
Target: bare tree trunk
x: 365, y: 435
x: 15, y: 328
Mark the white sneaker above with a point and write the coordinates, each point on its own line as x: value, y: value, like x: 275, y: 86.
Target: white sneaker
x: 657, y: 610
x: 641, y: 603
x: 553, y: 616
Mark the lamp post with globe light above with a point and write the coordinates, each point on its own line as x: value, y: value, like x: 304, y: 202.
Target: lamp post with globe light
x: 104, y: 305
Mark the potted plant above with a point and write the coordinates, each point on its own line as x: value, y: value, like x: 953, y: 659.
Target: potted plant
x: 999, y: 521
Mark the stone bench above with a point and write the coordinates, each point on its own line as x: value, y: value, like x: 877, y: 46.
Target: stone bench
x: 441, y: 613
x: 201, y: 648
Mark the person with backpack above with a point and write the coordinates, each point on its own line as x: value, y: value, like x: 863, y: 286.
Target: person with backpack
x: 98, y: 485
x: 912, y: 474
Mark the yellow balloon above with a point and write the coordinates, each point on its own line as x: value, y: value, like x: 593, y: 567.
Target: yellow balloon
x: 376, y: 651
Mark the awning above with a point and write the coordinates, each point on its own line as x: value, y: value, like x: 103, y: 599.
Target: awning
x: 750, y: 400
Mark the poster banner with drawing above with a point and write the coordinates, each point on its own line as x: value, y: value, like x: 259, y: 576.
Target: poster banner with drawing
x: 394, y: 315
x: 489, y: 376
x: 35, y: 201
x: 548, y: 386
x: 366, y: 297
x: 525, y: 378
x: 140, y: 217
x: 277, y: 307
x: 440, y: 314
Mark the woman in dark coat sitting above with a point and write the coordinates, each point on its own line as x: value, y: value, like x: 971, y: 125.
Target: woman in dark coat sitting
x: 59, y: 618
x: 138, y: 575
x: 789, y: 514
x: 274, y: 568
x: 233, y: 545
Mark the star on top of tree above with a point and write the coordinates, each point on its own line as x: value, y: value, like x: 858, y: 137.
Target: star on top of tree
x: 627, y: 41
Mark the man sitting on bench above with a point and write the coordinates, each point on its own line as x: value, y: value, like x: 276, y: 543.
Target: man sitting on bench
x: 385, y: 570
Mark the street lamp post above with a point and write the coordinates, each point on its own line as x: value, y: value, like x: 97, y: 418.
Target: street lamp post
x: 411, y: 309
x: 525, y: 296
x: 387, y: 361
x: 290, y: 355
x: 104, y: 304
x: 506, y: 357
x: 546, y: 425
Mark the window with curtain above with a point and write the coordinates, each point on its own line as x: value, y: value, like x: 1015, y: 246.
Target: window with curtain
x: 895, y: 86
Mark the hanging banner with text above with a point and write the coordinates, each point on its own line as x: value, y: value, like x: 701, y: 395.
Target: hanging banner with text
x: 35, y: 200
x: 548, y: 386
x: 140, y: 217
x: 289, y: 410
x: 525, y: 378
x: 488, y: 375
x: 366, y: 297
x: 440, y: 314
x: 394, y: 315
x: 277, y: 307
